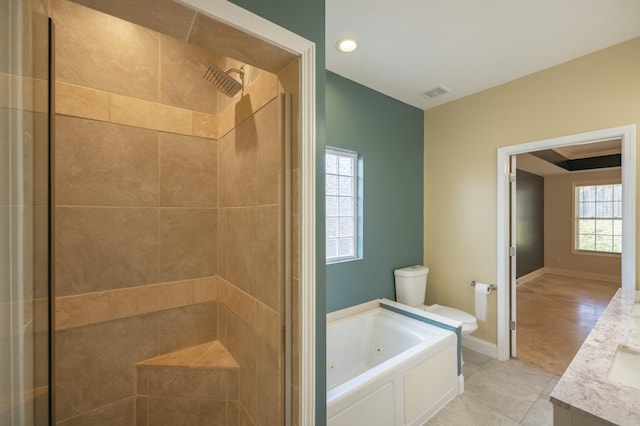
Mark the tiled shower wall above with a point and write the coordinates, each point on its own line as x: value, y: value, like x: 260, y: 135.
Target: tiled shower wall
x: 249, y: 256
x: 251, y: 264
x: 164, y: 237
x: 135, y: 209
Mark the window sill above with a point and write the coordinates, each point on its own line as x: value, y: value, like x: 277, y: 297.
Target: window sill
x: 596, y: 253
x: 335, y: 262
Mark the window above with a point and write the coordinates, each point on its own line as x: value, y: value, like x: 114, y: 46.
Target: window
x: 341, y: 173
x: 599, y: 218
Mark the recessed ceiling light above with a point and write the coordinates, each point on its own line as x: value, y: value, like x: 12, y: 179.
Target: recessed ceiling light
x: 347, y: 45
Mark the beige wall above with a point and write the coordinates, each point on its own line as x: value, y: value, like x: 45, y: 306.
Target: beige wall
x: 558, y: 225
x: 594, y: 92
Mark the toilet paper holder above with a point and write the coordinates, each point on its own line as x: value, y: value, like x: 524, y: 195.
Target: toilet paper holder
x: 491, y: 286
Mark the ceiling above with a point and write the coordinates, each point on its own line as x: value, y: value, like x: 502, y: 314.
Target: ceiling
x: 408, y: 47
x: 596, y: 155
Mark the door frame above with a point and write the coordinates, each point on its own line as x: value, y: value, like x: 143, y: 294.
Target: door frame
x: 231, y: 14
x: 627, y: 134
x: 513, y: 317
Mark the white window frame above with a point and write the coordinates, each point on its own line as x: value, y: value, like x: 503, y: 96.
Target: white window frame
x: 353, y: 213
x: 576, y: 223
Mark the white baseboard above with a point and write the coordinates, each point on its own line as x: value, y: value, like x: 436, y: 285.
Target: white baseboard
x: 481, y: 346
x: 531, y: 275
x: 567, y: 273
x: 585, y: 275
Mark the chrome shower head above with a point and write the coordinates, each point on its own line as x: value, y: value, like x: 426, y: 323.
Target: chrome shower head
x: 222, y: 80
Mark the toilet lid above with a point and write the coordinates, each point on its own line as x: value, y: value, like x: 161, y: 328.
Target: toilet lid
x: 455, y: 314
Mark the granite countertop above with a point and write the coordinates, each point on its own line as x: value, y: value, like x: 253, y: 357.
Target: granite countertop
x: 585, y: 386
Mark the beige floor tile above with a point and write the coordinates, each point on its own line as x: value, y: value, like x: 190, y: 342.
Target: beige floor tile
x: 546, y: 393
x: 465, y: 411
x: 508, y: 399
x: 473, y: 362
x: 540, y: 414
x: 514, y: 372
x: 499, y: 393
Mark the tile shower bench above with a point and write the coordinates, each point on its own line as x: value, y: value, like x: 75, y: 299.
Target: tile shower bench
x: 194, y: 386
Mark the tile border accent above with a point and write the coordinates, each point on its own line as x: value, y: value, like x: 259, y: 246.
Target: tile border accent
x: 90, y: 308
x: 84, y: 102
x: 261, y: 318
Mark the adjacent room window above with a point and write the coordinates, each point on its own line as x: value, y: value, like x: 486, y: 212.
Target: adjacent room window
x: 599, y: 218
x: 341, y: 172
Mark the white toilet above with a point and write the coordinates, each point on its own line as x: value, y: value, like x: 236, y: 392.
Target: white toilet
x: 411, y: 284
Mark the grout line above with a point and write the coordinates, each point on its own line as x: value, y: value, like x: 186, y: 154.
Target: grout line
x: 159, y: 94
x: 159, y: 203
x: 193, y: 23
x: 98, y: 408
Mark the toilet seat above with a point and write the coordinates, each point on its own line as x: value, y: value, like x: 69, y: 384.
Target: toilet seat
x: 469, y: 322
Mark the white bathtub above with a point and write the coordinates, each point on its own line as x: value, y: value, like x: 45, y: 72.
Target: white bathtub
x: 386, y: 369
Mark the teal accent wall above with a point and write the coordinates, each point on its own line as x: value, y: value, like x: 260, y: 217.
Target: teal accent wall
x: 306, y: 18
x: 390, y: 135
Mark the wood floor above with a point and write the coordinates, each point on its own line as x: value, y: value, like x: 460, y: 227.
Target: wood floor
x: 554, y: 316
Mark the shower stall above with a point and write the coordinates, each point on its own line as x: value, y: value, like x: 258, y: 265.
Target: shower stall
x: 171, y: 219
x: 174, y: 214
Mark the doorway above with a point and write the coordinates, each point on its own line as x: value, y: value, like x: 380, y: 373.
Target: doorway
x: 506, y: 272
x: 567, y: 270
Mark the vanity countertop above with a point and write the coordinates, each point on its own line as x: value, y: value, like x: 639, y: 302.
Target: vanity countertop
x: 585, y: 385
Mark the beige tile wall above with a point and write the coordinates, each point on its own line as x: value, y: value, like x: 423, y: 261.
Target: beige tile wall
x: 95, y: 363
x: 207, y: 396
x: 104, y: 164
x: 119, y: 412
x: 151, y: 210
x: 120, y: 58
x: 89, y: 308
x: 135, y: 234
x: 181, y: 22
x: 180, y: 168
x: 250, y: 259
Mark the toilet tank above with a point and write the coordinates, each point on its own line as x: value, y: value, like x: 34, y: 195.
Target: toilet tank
x: 411, y: 284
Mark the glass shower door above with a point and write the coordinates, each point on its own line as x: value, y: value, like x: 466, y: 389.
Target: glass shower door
x: 24, y: 213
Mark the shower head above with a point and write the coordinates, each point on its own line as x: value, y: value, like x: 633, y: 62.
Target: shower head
x: 222, y: 80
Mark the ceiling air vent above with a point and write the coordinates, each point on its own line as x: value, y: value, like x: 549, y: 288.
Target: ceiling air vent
x: 435, y: 92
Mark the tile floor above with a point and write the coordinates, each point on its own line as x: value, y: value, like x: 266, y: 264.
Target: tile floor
x: 555, y: 314
x: 499, y: 393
